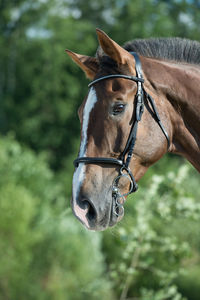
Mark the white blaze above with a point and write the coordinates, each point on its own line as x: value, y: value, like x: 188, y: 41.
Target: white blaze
x: 80, y: 171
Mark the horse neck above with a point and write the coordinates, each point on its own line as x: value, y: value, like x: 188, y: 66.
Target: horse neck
x: 179, y: 84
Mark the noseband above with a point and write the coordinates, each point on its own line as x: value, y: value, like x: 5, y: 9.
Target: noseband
x: 125, y: 157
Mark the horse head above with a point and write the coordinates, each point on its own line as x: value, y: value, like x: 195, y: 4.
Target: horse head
x: 110, y: 117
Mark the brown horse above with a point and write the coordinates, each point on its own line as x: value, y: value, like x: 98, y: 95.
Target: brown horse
x: 150, y: 106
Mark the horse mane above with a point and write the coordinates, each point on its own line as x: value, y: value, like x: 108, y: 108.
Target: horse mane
x: 173, y: 49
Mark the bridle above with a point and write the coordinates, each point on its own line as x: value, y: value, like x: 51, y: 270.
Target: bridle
x: 124, y: 160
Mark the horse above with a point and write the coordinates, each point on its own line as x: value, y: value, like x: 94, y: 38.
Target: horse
x: 143, y: 102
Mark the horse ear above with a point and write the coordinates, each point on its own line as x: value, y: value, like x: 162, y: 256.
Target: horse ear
x: 112, y: 49
x: 88, y: 64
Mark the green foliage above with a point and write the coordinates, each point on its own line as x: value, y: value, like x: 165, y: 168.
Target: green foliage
x: 43, y: 250
x: 149, y: 258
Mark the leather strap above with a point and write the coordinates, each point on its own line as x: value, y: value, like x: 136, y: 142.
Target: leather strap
x: 139, y: 100
x: 157, y: 118
x: 137, y: 79
x: 98, y: 160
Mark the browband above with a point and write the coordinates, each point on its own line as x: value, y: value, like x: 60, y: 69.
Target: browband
x: 134, y: 78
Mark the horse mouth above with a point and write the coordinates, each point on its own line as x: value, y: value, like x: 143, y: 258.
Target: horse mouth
x: 93, y: 218
x: 111, y: 217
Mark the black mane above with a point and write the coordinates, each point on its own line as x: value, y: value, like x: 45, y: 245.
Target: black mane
x: 173, y: 49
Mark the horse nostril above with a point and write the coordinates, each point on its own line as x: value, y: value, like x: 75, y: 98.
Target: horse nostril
x: 84, y: 204
x: 90, y: 211
x: 91, y: 214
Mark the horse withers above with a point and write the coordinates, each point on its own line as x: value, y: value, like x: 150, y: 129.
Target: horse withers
x: 143, y: 101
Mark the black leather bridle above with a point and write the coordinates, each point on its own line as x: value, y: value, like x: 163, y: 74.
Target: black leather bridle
x: 124, y: 160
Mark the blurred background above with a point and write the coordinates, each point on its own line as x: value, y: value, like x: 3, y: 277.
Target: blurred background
x: 45, y: 253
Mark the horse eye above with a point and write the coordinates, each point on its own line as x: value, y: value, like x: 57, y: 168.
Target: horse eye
x: 118, y: 109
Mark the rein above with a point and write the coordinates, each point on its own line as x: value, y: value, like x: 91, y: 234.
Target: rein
x: 125, y: 158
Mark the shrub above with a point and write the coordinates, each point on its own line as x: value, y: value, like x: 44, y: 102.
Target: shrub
x: 44, y: 252
x: 153, y: 244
